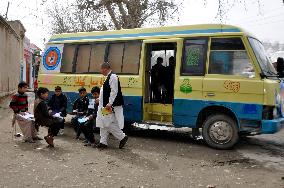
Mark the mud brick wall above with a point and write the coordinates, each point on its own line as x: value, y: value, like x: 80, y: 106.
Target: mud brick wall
x: 11, y: 55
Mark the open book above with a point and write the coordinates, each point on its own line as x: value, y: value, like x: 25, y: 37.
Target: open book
x: 106, y: 112
x: 83, y: 119
x: 27, y: 116
x: 57, y: 115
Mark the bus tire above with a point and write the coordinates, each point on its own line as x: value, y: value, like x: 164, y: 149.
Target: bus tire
x: 220, y: 131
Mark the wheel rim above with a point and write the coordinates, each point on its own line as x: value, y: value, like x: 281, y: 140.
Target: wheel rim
x: 221, y: 132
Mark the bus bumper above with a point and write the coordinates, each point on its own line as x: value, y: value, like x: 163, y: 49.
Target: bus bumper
x: 271, y: 126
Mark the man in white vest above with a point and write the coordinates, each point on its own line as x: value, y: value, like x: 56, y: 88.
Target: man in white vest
x: 110, y: 117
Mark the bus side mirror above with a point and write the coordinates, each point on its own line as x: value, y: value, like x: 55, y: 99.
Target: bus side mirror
x: 280, y: 67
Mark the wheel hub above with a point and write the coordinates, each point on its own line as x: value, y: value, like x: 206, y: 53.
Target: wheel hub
x: 221, y: 132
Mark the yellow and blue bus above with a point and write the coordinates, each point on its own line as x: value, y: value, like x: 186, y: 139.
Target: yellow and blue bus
x: 217, y: 78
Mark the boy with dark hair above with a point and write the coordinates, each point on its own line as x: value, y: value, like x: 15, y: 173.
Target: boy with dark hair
x: 44, y: 118
x: 58, y: 105
x: 88, y: 127
x: 19, y: 101
x: 80, y: 109
x: 19, y: 104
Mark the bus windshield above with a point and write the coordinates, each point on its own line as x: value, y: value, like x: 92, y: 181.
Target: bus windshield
x: 262, y: 57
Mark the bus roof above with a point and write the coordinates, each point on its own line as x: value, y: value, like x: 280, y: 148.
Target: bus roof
x: 145, y: 33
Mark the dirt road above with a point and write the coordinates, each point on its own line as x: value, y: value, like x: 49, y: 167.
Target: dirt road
x: 150, y: 159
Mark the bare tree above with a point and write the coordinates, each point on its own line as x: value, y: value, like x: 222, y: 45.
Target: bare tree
x: 224, y: 6
x: 134, y: 13
x: 89, y: 15
x: 69, y: 18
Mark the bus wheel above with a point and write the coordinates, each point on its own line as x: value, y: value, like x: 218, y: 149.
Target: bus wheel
x: 220, y: 131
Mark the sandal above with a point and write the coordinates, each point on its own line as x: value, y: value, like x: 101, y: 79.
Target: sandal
x: 49, y: 140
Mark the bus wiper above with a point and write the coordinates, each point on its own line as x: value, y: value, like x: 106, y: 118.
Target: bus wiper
x: 273, y: 73
x: 270, y: 74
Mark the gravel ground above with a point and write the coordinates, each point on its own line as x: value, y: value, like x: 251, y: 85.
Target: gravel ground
x: 150, y: 159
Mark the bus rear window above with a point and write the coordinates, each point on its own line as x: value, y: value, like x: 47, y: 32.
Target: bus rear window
x: 67, y: 58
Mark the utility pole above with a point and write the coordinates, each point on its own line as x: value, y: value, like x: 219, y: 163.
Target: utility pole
x: 6, y: 15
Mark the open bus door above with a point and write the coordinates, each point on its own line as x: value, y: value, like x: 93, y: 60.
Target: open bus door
x: 160, y: 57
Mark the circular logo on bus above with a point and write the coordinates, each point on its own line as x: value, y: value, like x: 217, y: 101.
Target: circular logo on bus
x: 51, y: 58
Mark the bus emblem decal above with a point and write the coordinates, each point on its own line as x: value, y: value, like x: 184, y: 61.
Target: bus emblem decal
x: 186, y: 86
x: 233, y: 86
x: 51, y: 58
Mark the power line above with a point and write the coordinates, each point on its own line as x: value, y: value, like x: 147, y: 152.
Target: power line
x: 270, y: 22
x: 268, y: 12
x: 19, y: 4
x: 262, y: 19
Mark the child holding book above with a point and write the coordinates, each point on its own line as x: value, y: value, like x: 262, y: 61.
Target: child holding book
x: 44, y: 118
x: 80, y: 109
x: 58, y: 105
x: 19, y: 104
x: 88, y: 127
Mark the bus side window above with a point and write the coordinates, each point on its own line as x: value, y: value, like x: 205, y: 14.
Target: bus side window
x: 124, y: 57
x: 83, y: 59
x: 97, y: 57
x: 228, y: 56
x: 194, y: 57
x: 67, y: 58
x: 131, y: 58
x: 115, y: 55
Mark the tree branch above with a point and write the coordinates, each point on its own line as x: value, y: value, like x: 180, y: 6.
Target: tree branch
x: 112, y: 15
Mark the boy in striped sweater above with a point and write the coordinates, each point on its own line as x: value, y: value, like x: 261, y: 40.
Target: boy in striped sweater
x: 19, y: 104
